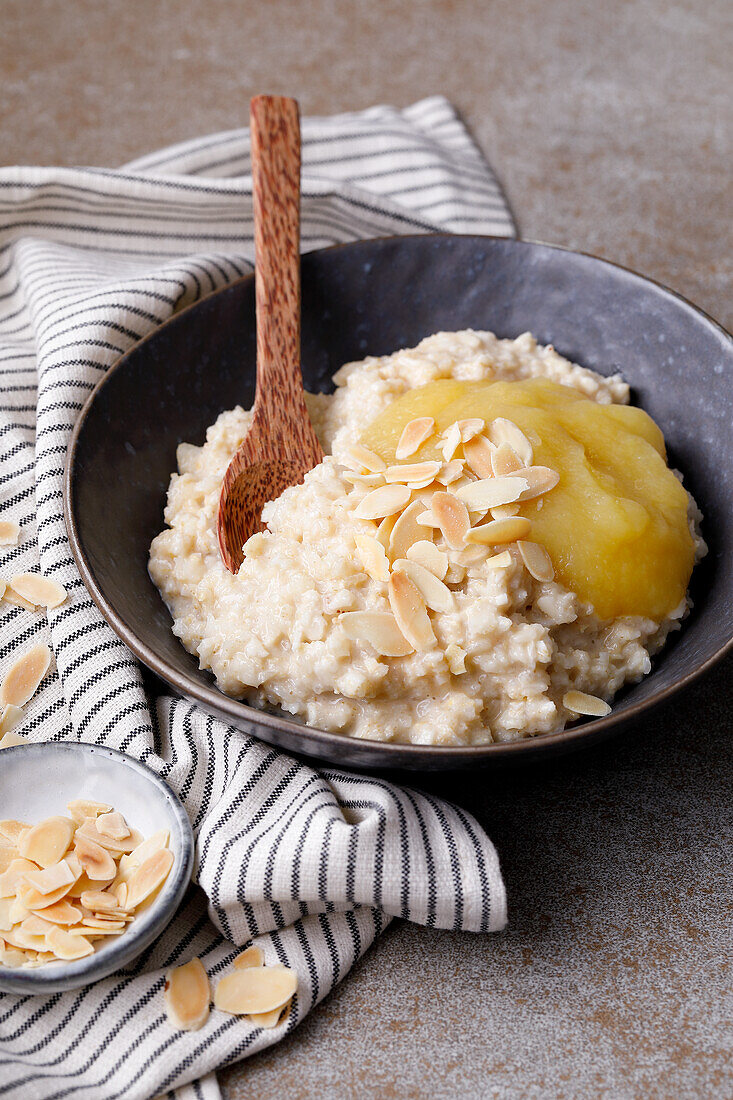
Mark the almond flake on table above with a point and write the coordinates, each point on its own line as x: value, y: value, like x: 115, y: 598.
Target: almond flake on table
x: 10, y: 717
x: 38, y: 590
x: 187, y: 995
x: 255, y: 989
x: 25, y: 675
x: 9, y: 532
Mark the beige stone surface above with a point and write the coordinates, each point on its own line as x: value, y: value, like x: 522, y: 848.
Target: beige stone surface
x: 609, y: 124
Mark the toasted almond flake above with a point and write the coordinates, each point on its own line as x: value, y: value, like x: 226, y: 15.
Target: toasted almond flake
x: 450, y: 471
x: 112, y: 844
x: 255, y: 989
x: 537, y: 560
x: 478, y: 452
x: 373, y: 557
x: 32, y: 899
x: 82, y: 808
x: 96, y: 860
x: 25, y: 675
x: 456, y: 574
x: 121, y: 894
x: 84, y: 883
x: 113, y: 825
x: 419, y: 486
x: 384, y: 530
x: 409, y: 610
x: 451, y: 441
x: 51, y: 877
x: 12, y: 830
x: 7, y: 854
x: 187, y: 996
x: 13, y: 956
x: 114, y: 915
x: 370, y: 480
x: 10, y: 717
x: 540, y: 479
x: 11, y: 879
x: 382, y: 502
x: 33, y: 925
x: 498, y: 531
x: 414, y: 434
x: 452, y: 516
x: 251, y: 956
x: 61, y: 912
x: 504, y: 511
x: 28, y: 940
x: 412, y: 472
x: 17, y: 601
x: 151, y: 874
x: 46, y: 842
x: 268, y: 1020
x: 456, y: 658
x: 580, y: 703
x: 38, y: 590
x: 9, y: 532
x: 6, y: 921
x: 98, y: 900
x: 67, y: 946
x: 499, y: 561
x: 100, y: 924
x: 379, y: 629
x: 502, y: 430
x: 148, y: 848
x: 487, y: 493
x: 427, y: 519
x: 470, y: 428
x: 407, y: 529
x: 428, y: 555
x: 505, y: 460
x: 434, y: 592
x: 361, y: 458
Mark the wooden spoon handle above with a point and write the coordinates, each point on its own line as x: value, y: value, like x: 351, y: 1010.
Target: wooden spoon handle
x: 275, y: 129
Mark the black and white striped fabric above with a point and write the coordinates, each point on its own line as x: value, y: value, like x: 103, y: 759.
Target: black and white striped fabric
x: 312, y: 865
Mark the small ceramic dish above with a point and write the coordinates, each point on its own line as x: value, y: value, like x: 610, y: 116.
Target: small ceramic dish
x: 372, y: 298
x: 37, y: 781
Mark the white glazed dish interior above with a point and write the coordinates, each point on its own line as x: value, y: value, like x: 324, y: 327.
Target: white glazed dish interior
x: 39, y: 780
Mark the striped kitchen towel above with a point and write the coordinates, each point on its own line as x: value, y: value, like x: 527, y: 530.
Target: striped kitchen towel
x: 310, y: 864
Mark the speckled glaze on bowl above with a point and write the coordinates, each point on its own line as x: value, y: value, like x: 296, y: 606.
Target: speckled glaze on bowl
x: 37, y: 781
x: 374, y: 297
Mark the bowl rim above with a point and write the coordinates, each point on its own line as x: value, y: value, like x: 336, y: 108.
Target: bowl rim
x: 124, y: 949
x: 410, y: 755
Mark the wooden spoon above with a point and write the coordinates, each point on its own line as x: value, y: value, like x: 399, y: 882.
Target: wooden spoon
x: 281, y: 445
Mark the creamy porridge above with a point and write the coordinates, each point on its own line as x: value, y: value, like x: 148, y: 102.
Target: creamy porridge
x: 351, y: 613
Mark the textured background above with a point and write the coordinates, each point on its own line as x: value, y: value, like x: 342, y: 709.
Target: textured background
x: 609, y: 125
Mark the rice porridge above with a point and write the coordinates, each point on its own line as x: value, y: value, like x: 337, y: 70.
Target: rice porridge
x: 351, y: 613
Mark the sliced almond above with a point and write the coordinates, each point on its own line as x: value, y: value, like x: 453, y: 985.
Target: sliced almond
x: 13, y: 956
x: 98, y: 900
x: 428, y: 555
x: 148, y: 848
x: 17, y: 601
x: 121, y: 894
x: 187, y: 996
x: 580, y: 703
x: 46, y: 842
x: 384, y: 530
x: 382, y: 502
x: 452, y: 516
x: 451, y: 441
x: 6, y: 921
x: 268, y: 1020
x: 487, y: 493
x: 32, y: 899
x: 33, y: 925
x: 379, y: 629
x: 370, y: 480
x: 540, y: 479
x: 503, y: 430
x: 361, y: 458
x: 499, y: 561
x: 470, y: 428
x: 537, y: 560
x: 67, y: 946
x: 504, y: 511
x: 28, y: 940
x: 408, y: 608
x: 10, y: 717
x: 9, y: 532
x: 100, y: 923
x: 412, y: 472
x: 505, y: 460
x: 435, y: 594
x: 89, y: 829
x: 84, y: 883
x: 414, y: 434
x: 61, y: 912
x: 38, y: 590
x: 255, y: 989
x: 478, y: 452
x: 450, y: 471
x: 251, y: 956
x: 82, y: 808
x: 12, y: 830
x: 406, y: 530
x: 25, y: 675
x: 373, y: 557
x: 148, y: 877
x: 456, y: 658
x: 51, y: 877
x: 14, y: 877
x: 96, y: 860
x: 113, y: 825
x: 8, y: 852
x: 499, y: 531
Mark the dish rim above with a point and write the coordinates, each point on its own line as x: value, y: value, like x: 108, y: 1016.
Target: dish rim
x: 212, y: 699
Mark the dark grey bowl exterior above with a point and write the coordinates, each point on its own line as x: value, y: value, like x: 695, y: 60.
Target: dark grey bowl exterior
x: 374, y: 297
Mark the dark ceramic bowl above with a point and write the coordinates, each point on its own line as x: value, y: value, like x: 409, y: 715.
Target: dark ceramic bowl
x: 374, y: 297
